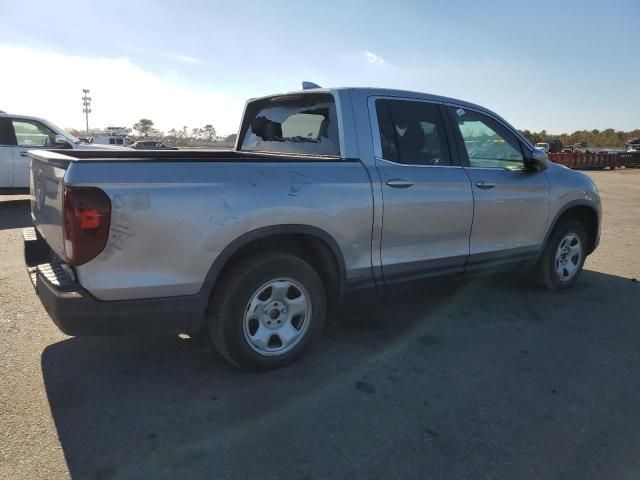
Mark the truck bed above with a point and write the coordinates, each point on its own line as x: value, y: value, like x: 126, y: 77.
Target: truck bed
x: 193, y: 204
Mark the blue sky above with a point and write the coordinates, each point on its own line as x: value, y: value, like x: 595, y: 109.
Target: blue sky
x: 557, y: 65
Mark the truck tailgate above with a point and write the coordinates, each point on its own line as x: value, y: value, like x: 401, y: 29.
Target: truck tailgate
x: 46, y: 192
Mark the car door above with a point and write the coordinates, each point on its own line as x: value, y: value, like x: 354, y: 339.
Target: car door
x: 428, y: 204
x: 7, y: 144
x: 29, y: 134
x: 511, y: 203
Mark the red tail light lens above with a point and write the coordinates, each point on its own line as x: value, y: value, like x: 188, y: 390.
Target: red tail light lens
x: 87, y: 214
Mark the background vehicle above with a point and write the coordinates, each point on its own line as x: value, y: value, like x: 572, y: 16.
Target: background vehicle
x: 543, y: 146
x: 151, y: 145
x: 328, y: 190
x: 633, y: 145
x: 110, y: 140
x: 111, y: 136
x: 555, y: 146
x: 581, y: 147
x: 20, y: 133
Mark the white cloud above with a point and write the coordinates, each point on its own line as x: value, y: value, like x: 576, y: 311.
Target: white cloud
x: 185, y: 58
x: 373, y: 58
x: 49, y: 85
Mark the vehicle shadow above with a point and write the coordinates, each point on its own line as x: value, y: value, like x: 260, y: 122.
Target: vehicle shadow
x: 444, y: 381
x: 14, y: 213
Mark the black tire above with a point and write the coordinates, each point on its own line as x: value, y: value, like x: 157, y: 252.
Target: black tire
x: 228, y: 305
x: 546, y: 268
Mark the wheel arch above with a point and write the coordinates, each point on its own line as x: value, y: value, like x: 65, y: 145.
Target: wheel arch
x: 582, y: 211
x: 312, y: 244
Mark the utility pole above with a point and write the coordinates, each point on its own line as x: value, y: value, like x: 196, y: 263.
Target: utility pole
x: 86, y: 104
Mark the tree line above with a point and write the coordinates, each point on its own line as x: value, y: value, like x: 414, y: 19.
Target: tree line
x: 179, y: 136
x: 145, y: 129
x: 594, y: 138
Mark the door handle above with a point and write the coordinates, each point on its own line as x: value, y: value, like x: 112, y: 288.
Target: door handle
x: 485, y: 185
x: 23, y: 153
x: 400, y: 183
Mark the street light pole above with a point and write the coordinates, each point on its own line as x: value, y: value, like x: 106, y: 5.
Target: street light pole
x: 86, y: 104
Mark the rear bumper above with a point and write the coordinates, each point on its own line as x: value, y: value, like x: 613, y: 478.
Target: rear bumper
x: 76, y: 312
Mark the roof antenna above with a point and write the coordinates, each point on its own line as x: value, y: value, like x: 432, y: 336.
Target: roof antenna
x: 309, y: 85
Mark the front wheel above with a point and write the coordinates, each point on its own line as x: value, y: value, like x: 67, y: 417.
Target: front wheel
x: 563, y: 257
x: 267, y: 311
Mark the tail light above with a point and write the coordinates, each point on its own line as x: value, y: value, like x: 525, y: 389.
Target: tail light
x: 87, y: 214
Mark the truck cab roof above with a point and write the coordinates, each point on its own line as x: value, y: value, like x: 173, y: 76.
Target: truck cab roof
x: 375, y: 91
x: 4, y: 114
x: 356, y: 94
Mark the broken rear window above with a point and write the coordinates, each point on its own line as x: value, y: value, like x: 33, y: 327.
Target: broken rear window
x: 301, y: 124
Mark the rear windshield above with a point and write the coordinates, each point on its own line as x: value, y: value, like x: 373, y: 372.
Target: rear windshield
x: 304, y: 124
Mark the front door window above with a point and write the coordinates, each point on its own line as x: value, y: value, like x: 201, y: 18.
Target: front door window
x: 487, y: 143
x: 30, y: 133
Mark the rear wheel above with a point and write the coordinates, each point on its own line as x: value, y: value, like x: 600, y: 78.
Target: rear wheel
x: 564, y: 256
x: 267, y: 311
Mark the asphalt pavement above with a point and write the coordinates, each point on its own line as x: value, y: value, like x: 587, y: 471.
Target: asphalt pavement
x: 489, y: 378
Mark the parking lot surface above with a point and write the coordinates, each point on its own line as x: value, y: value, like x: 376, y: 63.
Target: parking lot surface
x: 489, y: 378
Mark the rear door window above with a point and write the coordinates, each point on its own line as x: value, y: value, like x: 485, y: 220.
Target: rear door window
x: 304, y: 124
x: 7, y: 137
x: 412, y: 133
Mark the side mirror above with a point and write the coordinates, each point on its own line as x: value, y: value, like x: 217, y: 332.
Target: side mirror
x: 61, y: 142
x: 537, y: 161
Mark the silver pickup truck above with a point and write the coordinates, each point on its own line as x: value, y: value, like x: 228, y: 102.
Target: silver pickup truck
x: 328, y: 190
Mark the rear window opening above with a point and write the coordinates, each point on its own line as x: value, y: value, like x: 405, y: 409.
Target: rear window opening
x: 297, y: 124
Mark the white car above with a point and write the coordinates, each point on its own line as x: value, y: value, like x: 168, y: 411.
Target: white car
x: 543, y: 146
x: 19, y: 133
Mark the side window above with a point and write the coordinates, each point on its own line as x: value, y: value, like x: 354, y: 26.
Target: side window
x: 33, y: 134
x: 387, y: 135
x: 488, y: 143
x: 412, y: 133
x: 6, y: 132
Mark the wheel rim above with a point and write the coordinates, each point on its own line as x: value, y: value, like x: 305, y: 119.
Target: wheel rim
x: 568, y: 257
x: 277, y: 317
